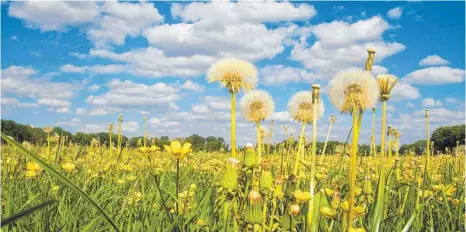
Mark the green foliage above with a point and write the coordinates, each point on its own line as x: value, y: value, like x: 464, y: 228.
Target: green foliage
x: 447, y: 136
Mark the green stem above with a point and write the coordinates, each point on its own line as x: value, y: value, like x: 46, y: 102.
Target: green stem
x: 177, y: 182
x: 301, y: 138
x: 326, y: 140
x: 233, y: 125
x: 259, y: 143
x: 353, y: 162
x: 313, y: 165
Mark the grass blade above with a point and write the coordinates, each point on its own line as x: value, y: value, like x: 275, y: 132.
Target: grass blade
x: 25, y: 212
x: 49, y: 169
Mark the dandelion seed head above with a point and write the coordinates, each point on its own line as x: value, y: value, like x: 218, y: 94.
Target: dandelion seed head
x: 301, y: 109
x: 353, y: 88
x: 257, y: 105
x: 233, y: 74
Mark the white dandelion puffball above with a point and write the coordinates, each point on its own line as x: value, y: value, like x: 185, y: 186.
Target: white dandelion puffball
x: 353, y: 88
x: 301, y: 108
x: 233, y: 74
x: 257, y: 105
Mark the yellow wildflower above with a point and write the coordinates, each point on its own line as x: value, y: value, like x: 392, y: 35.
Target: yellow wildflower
x: 68, y: 166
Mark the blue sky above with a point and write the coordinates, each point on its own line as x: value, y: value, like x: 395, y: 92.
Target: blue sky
x: 79, y: 64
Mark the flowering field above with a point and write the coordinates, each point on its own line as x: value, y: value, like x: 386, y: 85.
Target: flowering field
x: 65, y: 186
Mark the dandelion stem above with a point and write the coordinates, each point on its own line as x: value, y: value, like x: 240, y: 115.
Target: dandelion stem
x: 233, y: 125
x: 326, y: 141
x: 310, y: 209
x: 301, y: 138
x: 259, y: 144
x: 177, y: 182
x: 353, y: 161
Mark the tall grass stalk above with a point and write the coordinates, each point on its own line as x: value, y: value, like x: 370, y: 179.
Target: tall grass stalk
x: 315, y: 101
x: 298, y: 153
x: 332, y: 120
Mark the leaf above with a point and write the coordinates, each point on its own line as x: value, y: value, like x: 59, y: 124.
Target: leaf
x: 49, y: 169
x: 25, y: 212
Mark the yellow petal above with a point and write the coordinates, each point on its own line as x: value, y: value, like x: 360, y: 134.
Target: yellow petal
x: 186, y: 149
x: 176, y: 147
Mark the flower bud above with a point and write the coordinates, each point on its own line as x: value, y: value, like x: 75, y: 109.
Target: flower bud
x: 294, y: 210
x: 230, y: 176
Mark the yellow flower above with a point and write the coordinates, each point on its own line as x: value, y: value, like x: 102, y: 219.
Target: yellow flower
x: 294, y: 210
x: 359, y: 211
x: 177, y: 151
x: 68, y: 166
x: 426, y: 193
x: 345, y: 205
x: 30, y: 174
x: 302, y: 196
x: 449, y: 189
x: 32, y: 166
x: 328, y: 212
x: 131, y: 178
x: 120, y: 181
x: 329, y: 192
x: 455, y: 202
x: 55, y: 187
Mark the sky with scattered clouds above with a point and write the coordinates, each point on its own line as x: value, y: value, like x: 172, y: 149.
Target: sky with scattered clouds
x: 79, y: 64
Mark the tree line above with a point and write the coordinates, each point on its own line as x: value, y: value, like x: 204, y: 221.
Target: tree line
x: 444, y: 138
x: 37, y: 136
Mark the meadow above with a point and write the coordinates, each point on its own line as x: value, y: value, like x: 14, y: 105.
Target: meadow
x: 102, y: 186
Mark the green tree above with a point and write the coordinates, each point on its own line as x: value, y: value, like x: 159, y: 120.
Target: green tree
x: 446, y: 137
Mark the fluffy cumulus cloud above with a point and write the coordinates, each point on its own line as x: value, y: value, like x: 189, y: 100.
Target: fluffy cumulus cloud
x: 129, y: 94
x: 107, y: 23
x: 433, y: 60
x: 130, y: 126
x: 430, y: 103
x: 193, y: 86
x: 281, y: 74
x: 27, y: 82
x: 395, y: 13
x: 435, y: 76
x: 13, y: 102
x: 54, y: 15
x: 342, y: 45
x: 405, y: 91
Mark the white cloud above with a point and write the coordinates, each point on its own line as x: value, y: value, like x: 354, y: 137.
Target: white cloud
x: 54, y: 102
x: 430, y: 103
x: 435, y: 76
x: 101, y: 69
x: 281, y: 74
x: 63, y: 110
x: 12, y: 102
x: 433, y: 60
x: 342, y: 45
x: 405, y: 91
x: 54, y: 15
x: 23, y: 81
x: 143, y: 112
x: 200, y: 108
x: 242, y: 11
x: 391, y: 108
x: 216, y: 102
x: 193, y: 86
x: 130, y: 94
x: 410, y: 105
x: 162, y: 122
x: 152, y: 62
x: 340, y: 33
x: 73, y: 122
x: 281, y: 116
x: 451, y: 100
x: 122, y: 19
x: 78, y: 55
x: 93, y: 87
x: 441, y: 114
x: 377, y: 69
x: 395, y: 13
x: 93, y: 128
x: 130, y: 126
x: 97, y: 111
